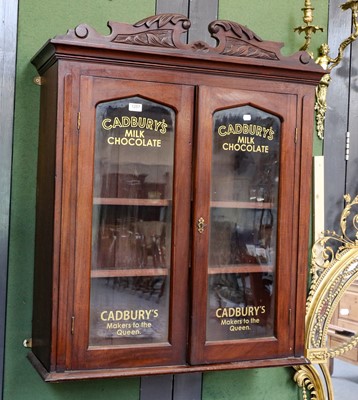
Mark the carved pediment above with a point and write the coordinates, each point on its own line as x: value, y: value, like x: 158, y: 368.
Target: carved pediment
x: 166, y: 31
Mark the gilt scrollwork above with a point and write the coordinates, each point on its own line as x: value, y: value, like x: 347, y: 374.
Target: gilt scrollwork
x: 309, y: 381
x: 331, y: 246
x: 334, y: 267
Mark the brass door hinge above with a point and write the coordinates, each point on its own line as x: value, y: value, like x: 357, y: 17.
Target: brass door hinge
x: 72, y: 325
x: 289, y: 316
x: 78, y: 121
x: 296, y: 135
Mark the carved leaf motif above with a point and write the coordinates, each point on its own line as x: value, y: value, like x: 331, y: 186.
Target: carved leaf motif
x: 355, y: 224
x: 162, y: 20
x: 240, y: 48
x: 152, y: 38
x: 346, y: 213
x: 238, y: 29
x: 165, y: 30
x: 347, y: 198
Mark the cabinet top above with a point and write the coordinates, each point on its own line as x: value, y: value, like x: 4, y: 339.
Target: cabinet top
x: 157, y: 39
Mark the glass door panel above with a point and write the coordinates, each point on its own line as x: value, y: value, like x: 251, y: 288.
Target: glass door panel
x: 243, y: 224
x: 131, y: 222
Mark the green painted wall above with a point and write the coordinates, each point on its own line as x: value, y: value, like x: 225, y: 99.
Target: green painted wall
x: 38, y: 21
x: 255, y: 384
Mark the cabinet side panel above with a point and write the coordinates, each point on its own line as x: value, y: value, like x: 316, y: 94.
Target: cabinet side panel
x: 303, y: 215
x: 45, y: 223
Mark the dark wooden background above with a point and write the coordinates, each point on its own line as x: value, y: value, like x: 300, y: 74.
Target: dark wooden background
x: 341, y: 117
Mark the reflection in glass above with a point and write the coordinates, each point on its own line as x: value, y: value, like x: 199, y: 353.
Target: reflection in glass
x: 243, y: 224
x: 131, y: 222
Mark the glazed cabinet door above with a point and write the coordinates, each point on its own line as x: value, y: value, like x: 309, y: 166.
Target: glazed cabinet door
x: 132, y: 224
x: 243, y: 252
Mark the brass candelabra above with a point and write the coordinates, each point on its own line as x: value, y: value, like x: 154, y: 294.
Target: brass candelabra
x: 308, y: 28
x: 324, y: 59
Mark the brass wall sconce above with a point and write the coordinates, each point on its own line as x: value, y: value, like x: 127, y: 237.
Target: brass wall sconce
x: 308, y: 29
x: 334, y: 267
x: 324, y: 59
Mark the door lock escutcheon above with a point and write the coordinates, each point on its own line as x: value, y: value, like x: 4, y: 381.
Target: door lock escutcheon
x: 201, y: 225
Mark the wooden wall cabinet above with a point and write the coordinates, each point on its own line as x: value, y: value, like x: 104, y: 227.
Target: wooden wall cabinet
x: 173, y: 201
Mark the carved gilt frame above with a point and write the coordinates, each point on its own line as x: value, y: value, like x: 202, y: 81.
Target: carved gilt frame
x: 334, y: 267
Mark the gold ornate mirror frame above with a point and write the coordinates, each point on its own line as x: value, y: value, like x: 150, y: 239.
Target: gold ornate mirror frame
x: 334, y: 267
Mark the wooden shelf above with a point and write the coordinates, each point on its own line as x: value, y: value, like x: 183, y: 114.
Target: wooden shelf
x: 241, y: 204
x: 117, y: 273
x: 114, y: 201
x: 227, y: 269
x: 240, y: 268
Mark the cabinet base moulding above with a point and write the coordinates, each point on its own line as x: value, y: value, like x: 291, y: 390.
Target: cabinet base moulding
x: 54, y: 376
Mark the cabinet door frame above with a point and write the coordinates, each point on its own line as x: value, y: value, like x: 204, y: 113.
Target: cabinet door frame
x: 92, y: 91
x: 210, y: 100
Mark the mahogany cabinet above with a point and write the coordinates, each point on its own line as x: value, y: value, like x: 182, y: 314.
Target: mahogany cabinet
x: 172, y: 203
